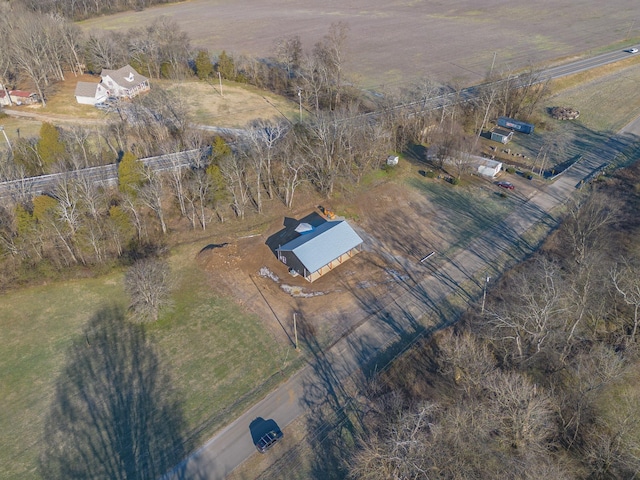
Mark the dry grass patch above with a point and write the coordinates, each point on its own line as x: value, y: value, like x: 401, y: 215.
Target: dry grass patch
x: 62, y: 101
x: 19, y: 128
x: 238, y: 104
x: 607, y: 98
x: 592, y: 74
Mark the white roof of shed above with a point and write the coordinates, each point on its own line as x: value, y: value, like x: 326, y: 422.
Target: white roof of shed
x: 486, y: 162
x: 324, y: 244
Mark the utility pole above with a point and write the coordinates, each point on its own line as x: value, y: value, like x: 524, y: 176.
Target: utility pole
x: 6, y: 138
x: 484, y: 295
x: 220, y: 79
x: 300, y: 102
x: 295, y: 331
x: 492, y: 64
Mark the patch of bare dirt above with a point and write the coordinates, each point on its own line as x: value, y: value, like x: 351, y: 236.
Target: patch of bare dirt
x: 247, y: 268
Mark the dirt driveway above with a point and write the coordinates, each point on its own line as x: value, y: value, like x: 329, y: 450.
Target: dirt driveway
x: 393, y: 42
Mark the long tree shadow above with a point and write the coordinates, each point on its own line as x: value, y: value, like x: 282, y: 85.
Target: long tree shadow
x: 334, y: 418
x: 114, y: 414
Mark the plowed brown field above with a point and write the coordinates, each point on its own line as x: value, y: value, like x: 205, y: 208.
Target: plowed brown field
x: 393, y: 42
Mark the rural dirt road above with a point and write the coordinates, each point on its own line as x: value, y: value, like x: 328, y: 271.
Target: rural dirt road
x: 420, y: 309
x: 52, y: 118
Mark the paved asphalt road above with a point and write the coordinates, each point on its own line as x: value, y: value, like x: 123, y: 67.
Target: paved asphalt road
x: 107, y: 174
x: 400, y: 320
x: 587, y: 64
x: 104, y: 175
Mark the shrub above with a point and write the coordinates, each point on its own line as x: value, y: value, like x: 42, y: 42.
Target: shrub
x: 431, y: 174
x: 511, y: 170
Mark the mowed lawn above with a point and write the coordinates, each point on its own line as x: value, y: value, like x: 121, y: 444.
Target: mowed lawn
x: 216, y: 356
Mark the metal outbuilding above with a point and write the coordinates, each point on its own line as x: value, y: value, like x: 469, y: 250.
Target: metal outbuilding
x: 517, y: 125
x: 487, y: 167
x: 320, y: 250
x: 501, y: 135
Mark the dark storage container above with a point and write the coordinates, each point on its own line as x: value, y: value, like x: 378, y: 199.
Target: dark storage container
x: 516, y: 125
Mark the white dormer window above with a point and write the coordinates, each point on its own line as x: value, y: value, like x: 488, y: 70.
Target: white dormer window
x: 130, y: 77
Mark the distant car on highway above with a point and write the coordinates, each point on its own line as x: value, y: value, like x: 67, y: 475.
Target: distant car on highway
x: 268, y: 440
x: 507, y: 185
x: 631, y: 50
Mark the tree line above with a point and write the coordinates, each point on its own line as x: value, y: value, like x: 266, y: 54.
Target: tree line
x: 82, y: 223
x: 41, y: 48
x: 538, y: 385
x: 83, y: 9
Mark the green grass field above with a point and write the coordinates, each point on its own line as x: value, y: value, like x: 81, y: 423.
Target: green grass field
x: 217, y: 357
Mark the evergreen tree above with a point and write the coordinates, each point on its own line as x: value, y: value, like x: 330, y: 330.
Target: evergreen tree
x: 204, y: 67
x: 43, y: 205
x: 130, y: 174
x: 218, y: 190
x: 219, y: 150
x: 24, y: 220
x: 226, y: 66
x: 50, y: 148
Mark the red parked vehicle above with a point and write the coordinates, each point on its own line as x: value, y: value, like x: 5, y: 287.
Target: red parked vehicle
x: 507, y: 185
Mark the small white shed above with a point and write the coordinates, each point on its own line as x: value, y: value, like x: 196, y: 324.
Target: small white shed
x: 501, y: 135
x: 488, y: 167
x: 392, y: 160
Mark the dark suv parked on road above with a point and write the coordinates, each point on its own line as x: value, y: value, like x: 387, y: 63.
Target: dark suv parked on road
x: 267, y: 440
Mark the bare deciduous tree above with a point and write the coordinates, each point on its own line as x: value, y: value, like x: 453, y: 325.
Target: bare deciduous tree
x: 105, y: 52
x: 523, y: 411
x: 288, y: 51
x: 627, y: 283
x: 585, y: 226
x: 330, y: 54
x: 291, y: 174
x: 147, y: 283
x: 530, y: 318
x: 150, y: 194
x: 233, y: 169
x: 465, y: 360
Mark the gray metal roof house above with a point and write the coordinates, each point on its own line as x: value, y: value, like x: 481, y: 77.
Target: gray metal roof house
x: 320, y: 250
x: 124, y: 82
